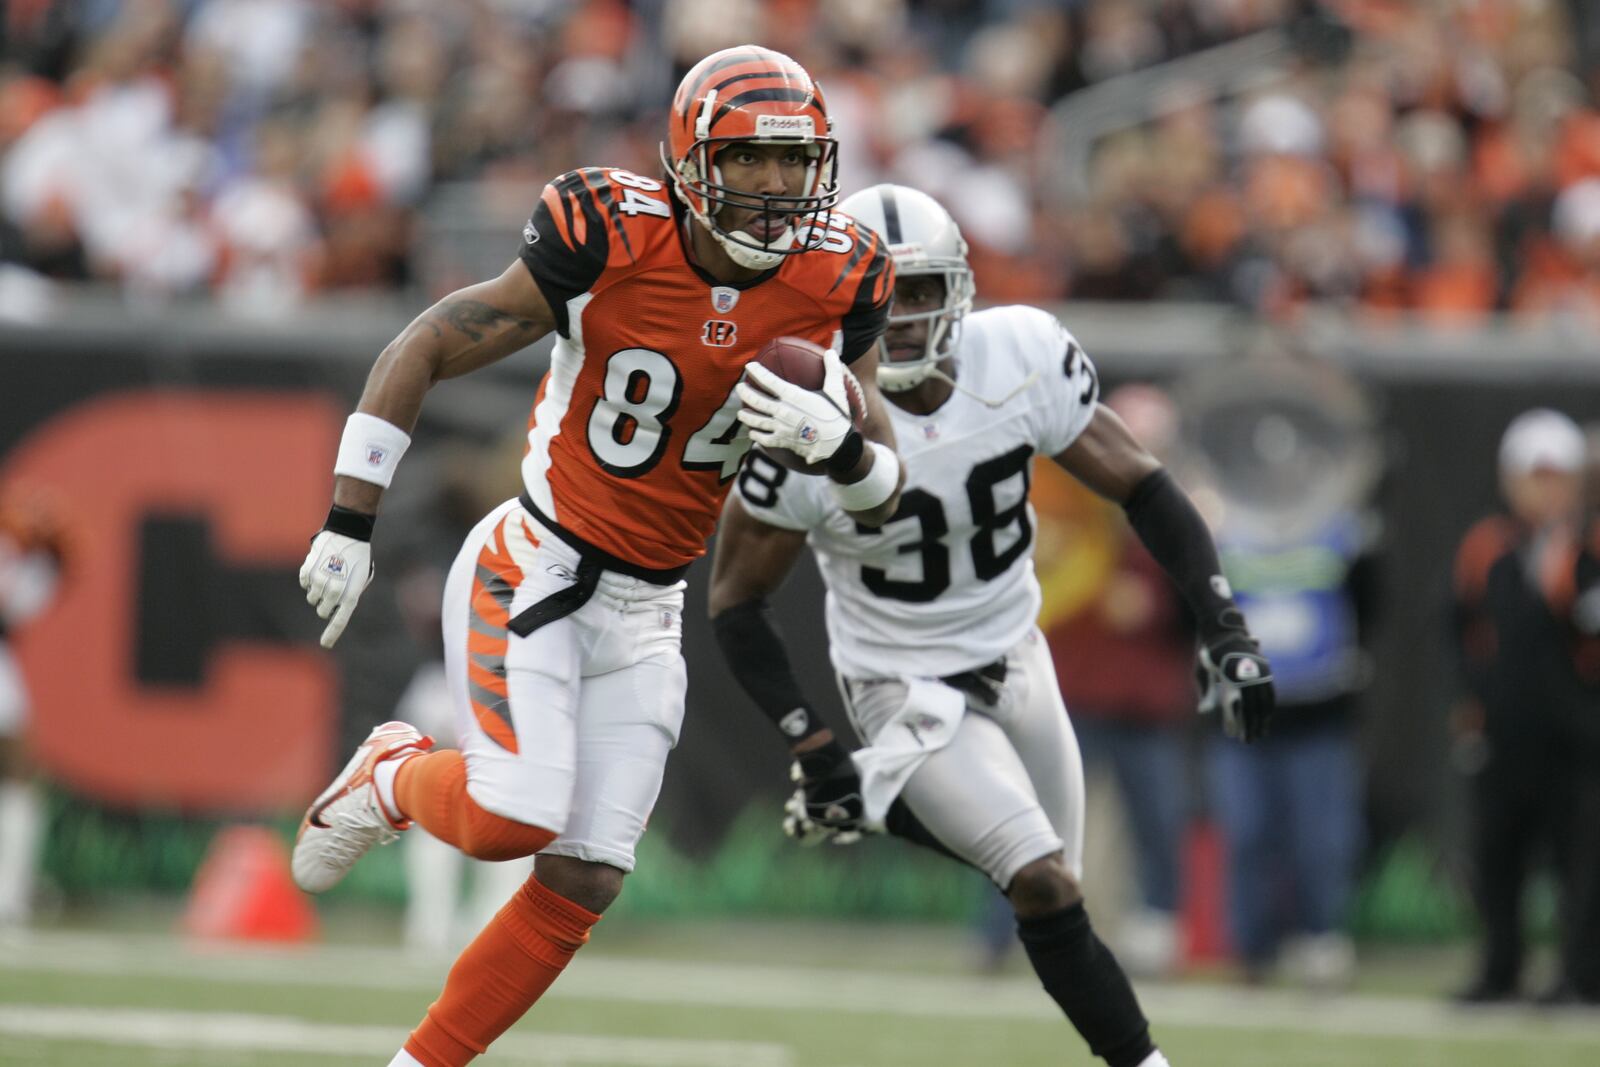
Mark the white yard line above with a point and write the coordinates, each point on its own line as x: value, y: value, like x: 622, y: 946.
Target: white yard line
x: 600, y: 977
x: 235, y: 1031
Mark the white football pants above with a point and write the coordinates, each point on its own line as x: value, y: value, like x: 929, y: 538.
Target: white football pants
x: 1007, y: 789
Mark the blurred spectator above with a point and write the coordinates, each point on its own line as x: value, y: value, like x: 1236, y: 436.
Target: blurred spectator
x: 266, y: 229
x: 1577, y: 606
x: 1398, y: 158
x: 1532, y: 727
x: 1126, y: 664
x: 1298, y: 542
x: 1566, y: 278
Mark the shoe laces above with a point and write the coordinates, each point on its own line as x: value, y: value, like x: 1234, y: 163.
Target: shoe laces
x: 350, y: 836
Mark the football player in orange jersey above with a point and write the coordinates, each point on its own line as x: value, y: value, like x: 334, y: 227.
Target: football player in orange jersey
x: 561, y: 618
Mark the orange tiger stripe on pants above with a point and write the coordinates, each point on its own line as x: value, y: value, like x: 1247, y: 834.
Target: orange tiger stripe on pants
x: 494, y: 583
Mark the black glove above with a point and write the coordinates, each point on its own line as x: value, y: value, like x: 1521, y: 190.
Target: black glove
x: 827, y: 805
x: 1236, y: 679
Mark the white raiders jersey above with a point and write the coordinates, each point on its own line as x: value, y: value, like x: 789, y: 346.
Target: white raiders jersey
x: 947, y: 584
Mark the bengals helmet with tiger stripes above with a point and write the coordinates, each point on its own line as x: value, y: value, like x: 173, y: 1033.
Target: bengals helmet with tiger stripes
x: 751, y: 94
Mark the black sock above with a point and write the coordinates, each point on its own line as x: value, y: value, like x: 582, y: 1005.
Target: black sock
x: 1082, y: 976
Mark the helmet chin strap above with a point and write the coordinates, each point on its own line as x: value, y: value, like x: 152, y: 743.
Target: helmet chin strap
x: 741, y: 253
x: 1027, y: 384
x: 687, y: 171
x: 902, y: 377
x: 893, y: 379
x: 752, y: 258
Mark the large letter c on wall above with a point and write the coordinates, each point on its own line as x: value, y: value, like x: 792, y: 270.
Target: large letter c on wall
x: 173, y: 670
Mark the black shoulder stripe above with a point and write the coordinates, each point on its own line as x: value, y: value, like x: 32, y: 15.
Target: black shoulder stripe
x: 583, y: 191
x: 608, y: 201
x: 872, y: 289
x: 572, y: 194
x: 868, y: 316
x: 757, y: 96
x: 861, y: 248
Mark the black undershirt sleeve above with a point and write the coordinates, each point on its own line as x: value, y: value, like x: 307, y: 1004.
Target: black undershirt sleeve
x: 1178, y: 539
x: 755, y: 654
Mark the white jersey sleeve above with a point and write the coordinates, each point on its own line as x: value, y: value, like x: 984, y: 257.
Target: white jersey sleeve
x: 780, y: 497
x: 1067, y: 378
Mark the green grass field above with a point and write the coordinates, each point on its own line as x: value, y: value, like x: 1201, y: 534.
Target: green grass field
x: 708, y: 995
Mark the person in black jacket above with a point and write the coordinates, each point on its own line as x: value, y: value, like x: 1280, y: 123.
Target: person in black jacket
x: 1572, y: 587
x: 1513, y: 599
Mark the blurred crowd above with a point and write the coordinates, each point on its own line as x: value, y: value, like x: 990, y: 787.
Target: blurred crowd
x: 1438, y: 156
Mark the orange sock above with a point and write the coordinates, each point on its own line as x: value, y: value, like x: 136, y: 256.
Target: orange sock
x: 432, y: 789
x: 501, y: 974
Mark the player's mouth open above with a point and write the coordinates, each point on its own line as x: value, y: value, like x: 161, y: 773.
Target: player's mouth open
x: 767, y: 228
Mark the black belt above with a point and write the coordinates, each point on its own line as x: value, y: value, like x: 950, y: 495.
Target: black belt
x: 561, y: 603
x: 592, y: 562
x: 981, y: 682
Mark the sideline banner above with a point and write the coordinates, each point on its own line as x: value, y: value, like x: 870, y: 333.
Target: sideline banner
x: 179, y: 669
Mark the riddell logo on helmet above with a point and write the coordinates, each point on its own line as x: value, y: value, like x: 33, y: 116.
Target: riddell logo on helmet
x: 785, y: 126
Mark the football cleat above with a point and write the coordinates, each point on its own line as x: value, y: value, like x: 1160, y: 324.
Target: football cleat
x: 348, y: 819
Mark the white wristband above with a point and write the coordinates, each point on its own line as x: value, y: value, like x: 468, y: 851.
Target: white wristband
x: 879, y: 484
x: 370, y: 449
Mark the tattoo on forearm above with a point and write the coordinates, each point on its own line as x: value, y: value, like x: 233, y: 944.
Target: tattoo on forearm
x: 475, y: 318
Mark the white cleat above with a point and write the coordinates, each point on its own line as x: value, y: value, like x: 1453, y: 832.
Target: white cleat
x: 347, y: 819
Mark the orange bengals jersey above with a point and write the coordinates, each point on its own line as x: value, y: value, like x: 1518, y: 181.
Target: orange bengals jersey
x: 633, y: 439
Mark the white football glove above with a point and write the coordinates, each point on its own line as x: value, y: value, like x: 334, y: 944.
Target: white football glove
x: 812, y: 424
x: 334, y: 575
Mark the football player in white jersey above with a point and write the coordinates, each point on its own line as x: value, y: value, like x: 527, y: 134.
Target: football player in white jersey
x: 932, y: 618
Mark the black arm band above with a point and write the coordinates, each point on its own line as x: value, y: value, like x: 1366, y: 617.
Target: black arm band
x: 1170, y: 527
x: 848, y: 455
x: 759, y: 662
x: 350, y: 522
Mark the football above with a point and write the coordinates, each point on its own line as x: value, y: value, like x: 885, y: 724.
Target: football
x: 794, y: 359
